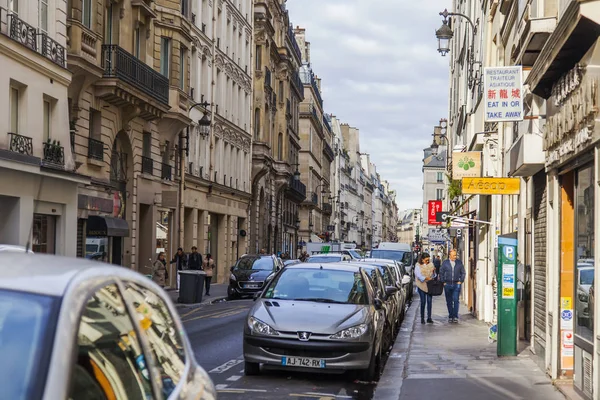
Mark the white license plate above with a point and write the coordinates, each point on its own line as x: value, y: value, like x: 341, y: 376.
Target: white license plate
x: 302, y: 362
x: 251, y: 286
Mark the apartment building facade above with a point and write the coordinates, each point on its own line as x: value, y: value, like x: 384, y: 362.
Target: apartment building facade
x: 277, y: 190
x: 38, y: 178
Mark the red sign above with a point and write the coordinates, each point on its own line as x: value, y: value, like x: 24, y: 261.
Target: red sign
x: 434, y: 207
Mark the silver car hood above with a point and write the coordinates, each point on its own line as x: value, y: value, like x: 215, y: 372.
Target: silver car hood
x: 318, y: 318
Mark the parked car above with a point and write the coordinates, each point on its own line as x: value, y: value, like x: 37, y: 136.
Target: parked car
x: 291, y: 262
x: 316, y: 317
x: 328, y: 258
x: 406, y: 280
x: 77, y: 329
x: 250, y: 274
x: 585, y: 279
x: 11, y: 248
x: 396, y: 251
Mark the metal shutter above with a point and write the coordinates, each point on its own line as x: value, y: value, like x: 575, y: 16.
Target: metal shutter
x: 539, y: 270
x: 80, y: 237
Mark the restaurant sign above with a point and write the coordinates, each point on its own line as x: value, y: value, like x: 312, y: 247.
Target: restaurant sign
x: 491, y: 186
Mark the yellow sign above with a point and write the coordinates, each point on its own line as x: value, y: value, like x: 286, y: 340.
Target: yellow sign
x: 466, y: 164
x: 508, y: 292
x: 565, y: 303
x: 491, y: 185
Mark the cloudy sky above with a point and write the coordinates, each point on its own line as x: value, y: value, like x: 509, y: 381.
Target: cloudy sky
x: 381, y: 73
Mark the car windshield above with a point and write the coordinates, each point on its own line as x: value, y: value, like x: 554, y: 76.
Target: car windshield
x: 396, y: 255
x: 255, y: 263
x: 319, y: 285
x: 321, y: 259
x: 354, y: 253
x: 91, y: 248
x: 586, y: 276
x: 24, y: 337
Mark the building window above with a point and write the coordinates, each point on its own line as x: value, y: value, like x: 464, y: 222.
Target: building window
x: 440, y: 177
x: 258, y: 66
x: 585, y: 240
x: 147, y: 144
x: 182, y: 61
x: 44, y: 234
x: 257, y: 124
x: 13, y: 6
x: 14, y: 110
x: 439, y: 194
x: 136, y: 43
x: 47, y: 119
x: 184, y: 8
x: 165, y: 57
x: 86, y: 13
x: 280, y: 146
x: 95, y: 123
x: 43, y: 14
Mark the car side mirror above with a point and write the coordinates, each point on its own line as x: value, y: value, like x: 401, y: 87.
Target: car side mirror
x: 256, y: 296
x: 378, y: 304
x: 390, y: 290
x: 406, y: 279
x: 232, y: 268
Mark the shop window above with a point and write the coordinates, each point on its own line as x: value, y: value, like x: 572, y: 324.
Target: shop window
x: 44, y: 234
x: 110, y: 360
x: 584, y: 250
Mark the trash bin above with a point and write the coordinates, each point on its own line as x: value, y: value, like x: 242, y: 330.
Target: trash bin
x: 191, y: 286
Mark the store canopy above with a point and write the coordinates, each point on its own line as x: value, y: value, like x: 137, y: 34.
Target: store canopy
x: 107, y: 226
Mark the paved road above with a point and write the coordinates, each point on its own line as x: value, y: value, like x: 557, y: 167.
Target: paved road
x: 216, y: 334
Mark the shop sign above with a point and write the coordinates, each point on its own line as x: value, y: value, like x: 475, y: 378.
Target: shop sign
x: 91, y: 203
x: 438, y: 235
x: 503, y: 90
x: 571, y: 126
x: 491, y: 186
x: 566, y: 319
x: 567, y: 344
x: 434, y: 206
x: 466, y: 164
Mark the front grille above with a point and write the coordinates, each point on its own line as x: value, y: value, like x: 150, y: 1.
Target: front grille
x: 304, y: 353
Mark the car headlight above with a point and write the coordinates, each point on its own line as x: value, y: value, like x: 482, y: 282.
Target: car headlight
x: 583, y: 297
x: 232, y: 277
x: 353, y: 332
x: 259, y: 327
x: 270, y: 276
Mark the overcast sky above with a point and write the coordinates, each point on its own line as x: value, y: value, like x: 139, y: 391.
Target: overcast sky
x: 381, y: 73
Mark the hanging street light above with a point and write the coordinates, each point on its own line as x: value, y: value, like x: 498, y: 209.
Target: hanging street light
x: 444, y: 34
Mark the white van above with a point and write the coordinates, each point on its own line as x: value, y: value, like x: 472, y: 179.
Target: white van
x: 395, y: 251
x: 95, y: 246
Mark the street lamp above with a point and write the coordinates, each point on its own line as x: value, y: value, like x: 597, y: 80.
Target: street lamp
x: 296, y: 172
x: 444, y: 34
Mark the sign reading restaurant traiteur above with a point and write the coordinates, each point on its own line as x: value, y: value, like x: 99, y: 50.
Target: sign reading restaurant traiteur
x: 503, y: 91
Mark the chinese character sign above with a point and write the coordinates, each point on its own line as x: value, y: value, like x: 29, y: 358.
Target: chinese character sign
x: 433, y: 208
x: 503, y: 91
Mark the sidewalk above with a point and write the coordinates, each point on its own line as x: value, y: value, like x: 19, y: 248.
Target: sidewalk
x: 218, y: 291
x: 455, y: 361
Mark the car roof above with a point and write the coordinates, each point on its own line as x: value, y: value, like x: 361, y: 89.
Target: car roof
x: 47, y: 274
x: 379, y: 260
x: 14, y: 248
x: 336, y: 266
x: 331, y: 254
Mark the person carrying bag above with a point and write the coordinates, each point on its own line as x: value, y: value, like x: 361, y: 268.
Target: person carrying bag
x: 425, y: 273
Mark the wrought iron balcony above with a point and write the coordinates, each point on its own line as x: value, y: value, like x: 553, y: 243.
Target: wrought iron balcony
x: 308, y: 78
x: 54, y: 153
x: 20, y: 31
x: 328, y: 151
x: 95, y: 149
x: 297, y: 190
x: 147, y: 165
x: 326, y: 123
x: 52, y: 50
x: 294, y: 42
x: 297, y: 83
x: 20, y: 144
x: 117, y: 63
x: 166, y: 172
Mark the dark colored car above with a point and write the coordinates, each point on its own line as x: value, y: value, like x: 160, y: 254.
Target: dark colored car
x: 250, y: 273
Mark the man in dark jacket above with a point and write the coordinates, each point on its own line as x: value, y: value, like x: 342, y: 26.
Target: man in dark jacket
x: 181, y: 260
x: 437, y: 262
x: 452, y: 273
x: 195, y: 259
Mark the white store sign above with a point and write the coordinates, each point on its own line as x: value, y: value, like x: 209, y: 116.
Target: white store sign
x: 503, y: 93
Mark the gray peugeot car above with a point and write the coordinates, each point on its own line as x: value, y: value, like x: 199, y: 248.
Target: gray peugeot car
x: 324, y: 318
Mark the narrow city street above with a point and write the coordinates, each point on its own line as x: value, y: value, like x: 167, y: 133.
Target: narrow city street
x: 215, y: 331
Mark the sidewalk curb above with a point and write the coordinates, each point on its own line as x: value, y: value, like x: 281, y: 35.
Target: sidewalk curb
x: 390, y: 383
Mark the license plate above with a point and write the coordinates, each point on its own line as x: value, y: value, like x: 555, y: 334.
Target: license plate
x: 302, y: 362
x: 252, y: 286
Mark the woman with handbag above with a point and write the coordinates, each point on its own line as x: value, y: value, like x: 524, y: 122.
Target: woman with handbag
x: 424, y: 272
x: 159, y: 270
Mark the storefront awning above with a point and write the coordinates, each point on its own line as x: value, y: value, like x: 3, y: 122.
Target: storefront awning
x: 107, y: 226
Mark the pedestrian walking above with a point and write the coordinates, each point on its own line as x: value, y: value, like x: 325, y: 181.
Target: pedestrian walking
x: 180, y: 260
x: 195, y: 259
x: 452, y: 274
x: 159, y: 270
x: 437, y: 262
x: 424, y: 271
x: 208, y: 265
x: 263, y: 252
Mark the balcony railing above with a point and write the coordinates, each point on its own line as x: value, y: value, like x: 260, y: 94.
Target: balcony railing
x: 20, y: 144
x: 297, y: 83
x: 326, y: 123
x: 328, y: 151
x: 54, y: 153
x: 298, y: 189
x: 308, y: 78
x: 20, y: 31
x: 95, y: 149
x: 147, y: 165
x: 295, y: 46
x: 117, y: 63
x: 166, y: 172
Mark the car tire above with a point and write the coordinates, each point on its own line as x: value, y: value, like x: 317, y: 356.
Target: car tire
x: 373, y: 372
x: 251, y: 369
x: 231, y: 294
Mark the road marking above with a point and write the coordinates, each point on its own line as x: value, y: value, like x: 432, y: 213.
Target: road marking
x: 232, y: 390
x: 228, y: 365
x: 228, y: 314
x: 221, y: 386
x: 218, y: 314
x: 322, y: 396
x: 234, y: 378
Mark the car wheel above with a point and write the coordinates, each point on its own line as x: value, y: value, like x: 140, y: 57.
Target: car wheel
x: 251, y: 369
x: 231, y: 294
x: 373, y: 372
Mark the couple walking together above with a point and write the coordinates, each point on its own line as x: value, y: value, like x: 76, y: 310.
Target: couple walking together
x: 451, y: 273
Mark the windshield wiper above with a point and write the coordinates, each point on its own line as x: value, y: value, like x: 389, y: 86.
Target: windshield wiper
x: 320, y: 300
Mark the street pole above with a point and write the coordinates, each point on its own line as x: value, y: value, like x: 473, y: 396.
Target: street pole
x: 182, y: 186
